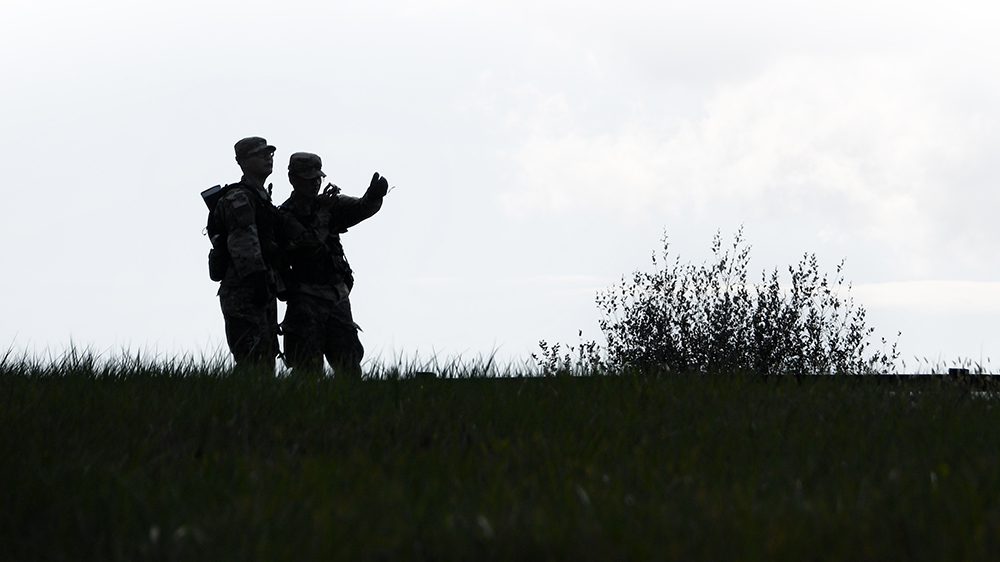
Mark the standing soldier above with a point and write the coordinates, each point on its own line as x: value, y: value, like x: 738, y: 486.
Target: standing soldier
x: 244, y: 218
x: 318, y: 321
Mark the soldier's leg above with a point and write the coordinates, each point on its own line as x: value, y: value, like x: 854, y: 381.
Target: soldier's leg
x: 272, y: 327
x: 301, y: 327
x: 250, y: 330
x: 341, y: 343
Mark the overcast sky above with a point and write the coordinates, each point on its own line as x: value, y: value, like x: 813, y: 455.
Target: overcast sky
x: 539, y: 148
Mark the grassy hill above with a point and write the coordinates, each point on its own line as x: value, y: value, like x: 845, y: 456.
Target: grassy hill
x: 173, y: 464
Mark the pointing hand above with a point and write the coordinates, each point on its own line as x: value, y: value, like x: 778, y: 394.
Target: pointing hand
x: 379, y: 186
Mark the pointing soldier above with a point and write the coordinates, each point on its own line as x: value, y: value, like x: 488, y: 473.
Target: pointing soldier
x: 318, y: 321
x: 245, y: 218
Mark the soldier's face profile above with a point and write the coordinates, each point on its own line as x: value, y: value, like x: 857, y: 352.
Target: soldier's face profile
x: 260, y: 163
x: 307, y: 186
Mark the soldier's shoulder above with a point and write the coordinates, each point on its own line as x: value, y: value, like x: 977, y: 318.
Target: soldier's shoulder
x: 237, y: 206
x: 287, y: 206
x: 235, y: 193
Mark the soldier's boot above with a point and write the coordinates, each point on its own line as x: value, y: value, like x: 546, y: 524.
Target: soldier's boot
x: 255, y: 366
x: 347, y: 370
x: 259, y: 357
x: 302, y: 356
x: 346, y: 364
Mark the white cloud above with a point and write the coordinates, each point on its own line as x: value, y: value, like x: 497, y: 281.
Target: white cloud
x: 933, y: 297
x: 859, y: 146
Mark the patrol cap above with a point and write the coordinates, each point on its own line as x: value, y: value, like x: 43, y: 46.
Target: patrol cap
x: 306, y: 165
x: 250, y: 146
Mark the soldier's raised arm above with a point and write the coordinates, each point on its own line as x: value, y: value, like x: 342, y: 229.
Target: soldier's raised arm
x: 352, y: 210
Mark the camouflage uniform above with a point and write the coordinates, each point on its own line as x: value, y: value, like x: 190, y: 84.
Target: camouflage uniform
x: 248, y: 288
x: 318, y: 321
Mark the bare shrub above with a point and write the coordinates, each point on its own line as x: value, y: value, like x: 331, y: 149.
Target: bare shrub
x: 708, y: 318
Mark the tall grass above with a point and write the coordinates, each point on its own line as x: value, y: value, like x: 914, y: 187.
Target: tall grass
x: 89, y: 363
x: 136, y: 461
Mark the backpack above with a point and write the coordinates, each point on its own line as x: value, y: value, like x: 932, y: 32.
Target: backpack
x: 218, y: 256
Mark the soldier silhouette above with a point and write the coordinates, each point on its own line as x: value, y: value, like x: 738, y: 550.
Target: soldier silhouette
x: 243, y: 229
x: 318, y: 321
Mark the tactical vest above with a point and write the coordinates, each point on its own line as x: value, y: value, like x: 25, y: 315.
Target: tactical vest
x: 327, y: 268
